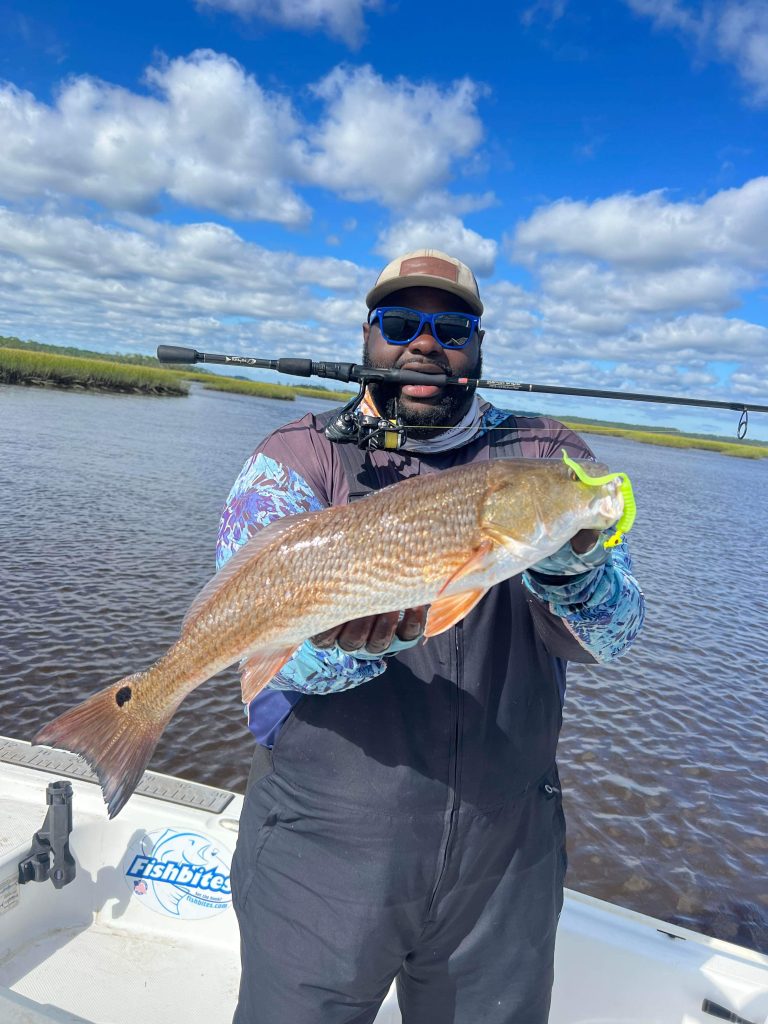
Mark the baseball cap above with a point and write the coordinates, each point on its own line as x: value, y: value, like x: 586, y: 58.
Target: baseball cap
x: 428, y: 268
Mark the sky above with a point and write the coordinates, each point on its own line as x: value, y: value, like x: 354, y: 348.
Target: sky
x: 232, y: 175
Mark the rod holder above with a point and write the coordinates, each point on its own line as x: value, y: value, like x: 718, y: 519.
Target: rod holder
x: 50, y: 856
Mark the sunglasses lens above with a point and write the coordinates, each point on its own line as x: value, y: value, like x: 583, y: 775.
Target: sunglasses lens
x: 453, y: 330
x: 399, y: 325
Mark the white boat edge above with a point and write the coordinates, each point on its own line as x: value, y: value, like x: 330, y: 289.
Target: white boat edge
x: 116, y: 945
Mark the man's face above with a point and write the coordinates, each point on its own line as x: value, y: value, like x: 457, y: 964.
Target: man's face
x: 427, y: 407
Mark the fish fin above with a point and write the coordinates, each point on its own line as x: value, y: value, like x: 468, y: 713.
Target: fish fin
x: 519, y: 554
x: 246, y: 553
x: 260, y: 667
x: 477, y: 561
x: 113, y: 732
x: 447, y: 611
x: 497, y: 536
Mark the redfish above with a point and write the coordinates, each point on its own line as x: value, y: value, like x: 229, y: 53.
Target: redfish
x: 442, y: 539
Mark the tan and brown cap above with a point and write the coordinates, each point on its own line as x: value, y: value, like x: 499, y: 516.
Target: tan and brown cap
x: 427, y: 268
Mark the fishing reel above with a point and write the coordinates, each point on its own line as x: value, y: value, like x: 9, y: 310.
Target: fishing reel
x: 352, y: 426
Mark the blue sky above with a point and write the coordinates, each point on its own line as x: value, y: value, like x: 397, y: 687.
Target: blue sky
x: 231, y: 174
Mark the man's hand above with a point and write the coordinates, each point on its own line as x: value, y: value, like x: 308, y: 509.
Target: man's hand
x: 374, y: 632
x: 582, y: 553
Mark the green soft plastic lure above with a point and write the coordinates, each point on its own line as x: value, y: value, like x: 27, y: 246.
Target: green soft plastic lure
x: 624, y: 525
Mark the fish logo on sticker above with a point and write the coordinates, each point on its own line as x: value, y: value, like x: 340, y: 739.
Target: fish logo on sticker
x: 180, y: 874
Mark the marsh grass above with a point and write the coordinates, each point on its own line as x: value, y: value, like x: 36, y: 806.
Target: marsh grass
x: 45, y: 368
x: 40, y: 366
x: 132, y: 359
x: 326, y: 393
x: 740, y: 449
x: 284, y: 391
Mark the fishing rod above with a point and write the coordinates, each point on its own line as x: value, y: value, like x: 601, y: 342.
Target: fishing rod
x: 353, y: 426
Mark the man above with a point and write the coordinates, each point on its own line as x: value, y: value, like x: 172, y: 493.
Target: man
x: 403, y: 818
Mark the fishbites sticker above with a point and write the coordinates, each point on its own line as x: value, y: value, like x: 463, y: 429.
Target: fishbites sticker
x: 179, y: 874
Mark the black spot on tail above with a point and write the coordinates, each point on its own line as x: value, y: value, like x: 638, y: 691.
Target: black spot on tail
x: 123, y: 695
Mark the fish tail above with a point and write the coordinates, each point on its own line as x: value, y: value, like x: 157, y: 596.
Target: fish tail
x: 113, y: 731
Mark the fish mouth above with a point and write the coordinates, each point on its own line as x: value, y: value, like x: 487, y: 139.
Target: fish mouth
x: 609, y: 505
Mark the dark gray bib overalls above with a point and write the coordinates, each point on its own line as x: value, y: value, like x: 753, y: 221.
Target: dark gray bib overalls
x: 411, y: 827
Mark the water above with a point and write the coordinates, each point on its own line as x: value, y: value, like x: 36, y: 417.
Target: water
x: 109, y: 507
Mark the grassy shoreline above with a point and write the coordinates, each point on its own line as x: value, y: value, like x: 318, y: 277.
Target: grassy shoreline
x: 37, y: 364
x: 38, y: 369
x: 252, y: 387
x: 739, y: 449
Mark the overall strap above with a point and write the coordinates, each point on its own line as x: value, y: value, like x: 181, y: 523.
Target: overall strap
x: 358, y: 467
x: 505, y: 440
x: 363, y: 478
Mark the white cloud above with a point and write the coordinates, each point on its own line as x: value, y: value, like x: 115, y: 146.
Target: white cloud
x: 703, y: 337
x: 342, y: 19
x: 733, y: 30
x: 67, y: 280
x: 211, y: 137
x: 627, y: 328
x: 691, y: 340
x: 665, y: 375
x: 549, y: 10
x: 438, y: 202
x: 447, y: 233
x: 674, y: 14
x: 652, y: 231
x: 556, y: 362
x: 390, y: 141
x: 648, y: 276
x: 752, y: 385
x: 742, y: 35
x: 509, y: 308
x: 621, y: 295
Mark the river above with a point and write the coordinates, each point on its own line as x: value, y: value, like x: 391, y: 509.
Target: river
x: 109, y: 507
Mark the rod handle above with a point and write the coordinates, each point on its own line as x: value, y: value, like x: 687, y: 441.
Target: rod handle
x: 296, y: 367
x: 176, y: 354
x: 414, y: 377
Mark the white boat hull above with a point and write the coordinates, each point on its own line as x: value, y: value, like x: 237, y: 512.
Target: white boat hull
x: 146, y: 930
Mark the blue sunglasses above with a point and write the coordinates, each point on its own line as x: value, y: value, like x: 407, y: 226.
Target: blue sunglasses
x: 399, y: 326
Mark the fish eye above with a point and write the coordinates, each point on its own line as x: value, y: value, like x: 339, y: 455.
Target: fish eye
x: 572, y: 475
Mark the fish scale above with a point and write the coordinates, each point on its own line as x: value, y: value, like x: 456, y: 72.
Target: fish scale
x: 441, y: 539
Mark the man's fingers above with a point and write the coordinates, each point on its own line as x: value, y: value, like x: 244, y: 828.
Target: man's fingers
x: 354, y: 634
x: 412, y: 623
x: 374, y: 632
x: 327, y: 638
x: 382, y: 632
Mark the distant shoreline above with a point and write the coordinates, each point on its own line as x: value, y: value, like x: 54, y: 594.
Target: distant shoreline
x: 33, y: 364
x: 739, y: 449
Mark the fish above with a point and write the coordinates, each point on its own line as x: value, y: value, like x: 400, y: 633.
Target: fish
x: 440, y: 539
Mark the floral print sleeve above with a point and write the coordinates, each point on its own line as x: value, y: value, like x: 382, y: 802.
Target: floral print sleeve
x: 603, y: 608
x: 264, y: 491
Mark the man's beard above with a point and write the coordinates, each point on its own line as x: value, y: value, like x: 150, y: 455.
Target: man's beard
x: 431, y: 419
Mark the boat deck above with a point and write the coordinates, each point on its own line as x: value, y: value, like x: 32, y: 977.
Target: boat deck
x: 146, y: 930
x: 120, y: 972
